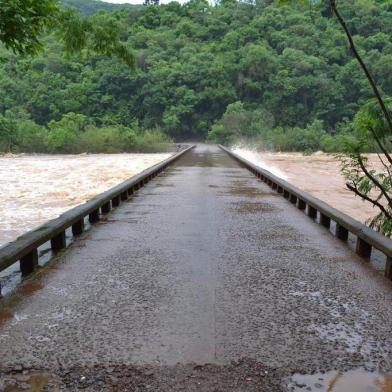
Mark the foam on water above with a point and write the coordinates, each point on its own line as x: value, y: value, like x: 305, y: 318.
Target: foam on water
x: 254, y: 157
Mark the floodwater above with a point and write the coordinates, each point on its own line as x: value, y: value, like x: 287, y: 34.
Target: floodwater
x: 36, y: 188
x: 318, y: 174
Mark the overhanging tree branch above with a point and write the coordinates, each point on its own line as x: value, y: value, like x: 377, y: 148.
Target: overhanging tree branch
x: 369, y: 199
x: 362, y: 64
x: 374, y: 180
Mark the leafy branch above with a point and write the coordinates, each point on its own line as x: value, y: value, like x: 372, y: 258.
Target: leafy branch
x: 373, y: 122
x: 24, y: 22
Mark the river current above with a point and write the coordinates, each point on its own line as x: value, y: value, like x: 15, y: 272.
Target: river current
x: 35, y: 188
x: 318, y: 174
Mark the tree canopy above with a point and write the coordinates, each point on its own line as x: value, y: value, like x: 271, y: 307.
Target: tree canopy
x: 91, y: 7
x: 23, y: 23
x: 286, y: 71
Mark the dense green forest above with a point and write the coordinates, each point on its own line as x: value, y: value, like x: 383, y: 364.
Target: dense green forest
x: 90, y: 7
x: 282, y: 76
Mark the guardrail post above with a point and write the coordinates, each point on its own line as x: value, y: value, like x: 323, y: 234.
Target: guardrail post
x: 293, y: 199
x: 130, y: 191
x: 312, y: 212
x: 124, y: 196
x: 29, y: 262
x: 78, y: 227
x: 325, y: 220
x: 116, y: 201
x: 274, y: 186
x: 388, y: 268
x: 280, y: 189
x: 341, y: 232
x: 93, y: 216
x: 286, y: 194
x: 105, y: 208
x: 301, y: 204
x: 58, y: 242
x: 363, y: 248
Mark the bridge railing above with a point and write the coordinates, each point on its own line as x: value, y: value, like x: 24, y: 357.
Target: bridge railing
x: 25, y: 248
x: 366, y: 238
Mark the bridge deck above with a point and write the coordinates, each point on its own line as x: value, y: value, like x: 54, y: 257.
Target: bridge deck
x: 204, y: 265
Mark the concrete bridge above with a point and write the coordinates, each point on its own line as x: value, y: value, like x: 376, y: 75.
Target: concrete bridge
x: 206, y: 279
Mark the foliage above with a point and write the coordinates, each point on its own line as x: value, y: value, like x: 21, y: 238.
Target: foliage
x: 91, y: 7
x: 8, y: 131
x: 194, y: 60
x: 371, y: 181
x: 373, y: 125
x: 23, y: 22
x: 64, y: 135
x: 97, y: 33
x: 256, y: 127
x: 281, y: 70
x: 285, y: 76
x: 76, y: 133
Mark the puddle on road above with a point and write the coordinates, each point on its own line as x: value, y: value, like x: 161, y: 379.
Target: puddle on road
x: 357, y: 380
x: 245, y: 191
x: 36, y: 382
x: 252, y: 208
x: 160, y: 185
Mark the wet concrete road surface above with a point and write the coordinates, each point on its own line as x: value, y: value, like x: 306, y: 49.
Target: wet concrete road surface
x: 203, y: 281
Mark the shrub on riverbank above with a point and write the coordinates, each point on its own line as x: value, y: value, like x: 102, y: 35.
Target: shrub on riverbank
x: 256, y: 128
x: 76, y: 133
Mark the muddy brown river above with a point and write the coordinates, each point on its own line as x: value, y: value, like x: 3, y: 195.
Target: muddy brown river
x: 204, y: 281
x: 318, y: 174
x: 35, y: 188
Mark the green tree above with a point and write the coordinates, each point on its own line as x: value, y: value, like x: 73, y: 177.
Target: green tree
x: 8, y: 131
x: 65, y: 135
x: 23, y: 22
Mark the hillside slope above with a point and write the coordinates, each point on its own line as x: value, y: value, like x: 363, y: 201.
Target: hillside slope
x: 90, y: 7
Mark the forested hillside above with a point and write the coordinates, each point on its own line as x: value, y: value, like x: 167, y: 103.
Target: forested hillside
x: 90, y: 7
x: 280, y: 74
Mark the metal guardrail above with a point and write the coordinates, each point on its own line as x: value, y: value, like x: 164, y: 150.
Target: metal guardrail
x: 366, y: 237
x: 25, y: 248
